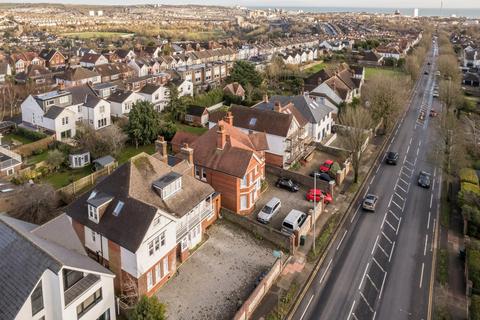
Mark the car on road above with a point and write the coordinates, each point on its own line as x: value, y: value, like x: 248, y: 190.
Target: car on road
x: 321, y: 175
x: 424, y: 179
x: 269, y: 210
x: 392, y: 157
x: 433, y: 113
x: 7, y: 190
x: 425, y: 73
x: 435, y: 94
x: 370, y: 202
x: 293, y: 221
x: 287, y: 184
x: 318, y: 194
x: 325, y: 167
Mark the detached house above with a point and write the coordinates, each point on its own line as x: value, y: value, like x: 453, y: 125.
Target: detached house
x: 53, y: 58
x: 90, y: 60
x: 159, y: 96
x: 46, y: 274
x: 78, y: 76
x: 144, y: 217
x: 121, y: 102
x: 10, y: 162
x: 233, y: 163
x: 21, y: 61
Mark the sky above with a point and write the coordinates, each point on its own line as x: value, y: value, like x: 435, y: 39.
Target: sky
x: 291, y: 3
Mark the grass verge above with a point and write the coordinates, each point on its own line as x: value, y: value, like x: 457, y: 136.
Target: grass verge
x: 284, y: 303
x: 321, y: 242
x: 442, y: 266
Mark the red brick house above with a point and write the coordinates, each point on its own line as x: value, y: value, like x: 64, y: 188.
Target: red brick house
x: 196, y: 115
x: 233, y: 163
x: 180, y: 139
x: 144, y: 217
x: 53, y: 58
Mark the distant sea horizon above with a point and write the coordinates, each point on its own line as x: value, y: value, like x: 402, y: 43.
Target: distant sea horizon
x: 473, y: 13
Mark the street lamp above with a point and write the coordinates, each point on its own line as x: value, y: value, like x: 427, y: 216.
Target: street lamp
x: 315, y: 174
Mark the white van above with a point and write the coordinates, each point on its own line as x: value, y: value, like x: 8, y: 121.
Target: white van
x: 293, y: 221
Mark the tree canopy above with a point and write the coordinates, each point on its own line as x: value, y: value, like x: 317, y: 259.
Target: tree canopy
x: 144, y: 123
x: 148, y: 309
x: 244, y: 72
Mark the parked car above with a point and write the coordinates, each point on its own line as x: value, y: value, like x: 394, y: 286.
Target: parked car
x: 370, y: 202
x: 293, y: 221
x: 269, y: 210
x: 392, y: 157
x: 436, y: 94
x: 433, y: 113
x: 287, y: 184
x: 325, y: 167
x: 424, y: 179
x: 321, y: 175
x: 318, y: 194
x: 425, y: 73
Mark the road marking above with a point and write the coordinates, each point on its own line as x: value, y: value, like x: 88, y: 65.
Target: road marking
x: 356, y: 211
x: 428, y: 220
x: 378, y: 264
x: 418, y: 150
x: 326, y: 270
x: 403, y: 199
x: 397, y: 205
x: 341, y: 240
x: 410, y: 142
x: 421, y: 276
x: 393, y: 228
x: 405, y: 167
x: 375, y: 244
x: 398, y: 228
x: 396, y: 217
x: 373, y: 283
x: 383, y: 250
x: 364, y: 273
x: 397, y: 186
x: 391, y: 252
x: 366, y: 192
x: 431, y: 200
x: 404, y: 181
x: 306, y: 308
x: 377, y: 169
x: 368, y: 305
x: 425, y: 248
x: 433, y: 185
x: 381, y: 289
x: 434, y: 172
x: 390, y: 202
x: 408, y: 149
x: 351, y: 310
x: 419, y: 143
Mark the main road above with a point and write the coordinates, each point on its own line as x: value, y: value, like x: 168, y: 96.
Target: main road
x: 380, y: 266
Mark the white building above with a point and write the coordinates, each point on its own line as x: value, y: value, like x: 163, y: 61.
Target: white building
x: 158, y: 95
x: 121, y: 102
x: 48, y: 275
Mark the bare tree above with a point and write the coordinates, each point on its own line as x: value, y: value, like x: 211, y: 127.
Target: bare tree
x: 450, y: 93
x: 114, y: 138
x: 9, y: 99
x: 359, y: 121
x: 412, y: 66
x: 448, y: 67
x: 385, y: 96
x: 35, y: 203
x: 129, y: 294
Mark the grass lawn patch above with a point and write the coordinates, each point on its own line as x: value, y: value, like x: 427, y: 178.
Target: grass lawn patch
x: 34, y: 159
x: 284, y: 303
x: 442, y: 267
x: 321, y: 242
x: 94, y: 34
x: 315, y: 68
x: 130, y: 151
x: 66, y: 176
x: 12, y: 136
x: 194, y: 130
x: 370, y: 72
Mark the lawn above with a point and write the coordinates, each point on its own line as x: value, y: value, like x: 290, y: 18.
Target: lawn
x: 12, y: 136
x: 34, y: 159
x: 194, y: 130
x: 93, y: 35
x: 315, y: 68
x: 64, y: 177
x: 130, y: 151
x: 370, y: 72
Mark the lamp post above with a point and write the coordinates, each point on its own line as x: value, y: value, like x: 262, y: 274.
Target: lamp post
x: 314, y: 209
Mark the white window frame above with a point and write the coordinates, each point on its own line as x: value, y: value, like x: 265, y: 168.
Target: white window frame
x: 158, y: 273
x: 149, y: 279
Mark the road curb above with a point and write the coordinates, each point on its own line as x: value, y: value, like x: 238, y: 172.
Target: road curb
x: 341, y: 225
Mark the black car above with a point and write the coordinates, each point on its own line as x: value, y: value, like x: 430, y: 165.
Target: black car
x: 425, y: 73
x: 321, y: 175
x: 287, y: 184
x: 392, y: 157
x: 424, y: 179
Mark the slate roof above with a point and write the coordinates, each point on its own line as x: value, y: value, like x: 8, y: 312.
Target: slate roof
x: 150, y: 89
x: 313, y: 111
x: 80, y: 93
x: 27, y: 251
x: 119, y: 96
x: 196, y: 111
x: 79, y: 73
x: 53, y: 112
x: 104, y: 161
x: 132, y: 184
x: 91, y: 101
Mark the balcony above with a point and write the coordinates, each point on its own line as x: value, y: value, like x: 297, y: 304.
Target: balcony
x: 80, y: 287
x: 193, y: 222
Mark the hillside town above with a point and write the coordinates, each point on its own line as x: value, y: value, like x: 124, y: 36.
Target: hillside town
x: 209, y: 162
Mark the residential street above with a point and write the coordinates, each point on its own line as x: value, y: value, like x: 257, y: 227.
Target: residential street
x: 381, y: 266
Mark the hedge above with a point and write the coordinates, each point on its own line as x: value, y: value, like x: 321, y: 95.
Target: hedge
x: 469, y: 194
x: 30, y: 134
x: 468, y: 175
x: 475, y: 307
x: 473, y: 265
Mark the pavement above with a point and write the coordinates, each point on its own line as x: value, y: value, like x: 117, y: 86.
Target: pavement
x: 381, y: 268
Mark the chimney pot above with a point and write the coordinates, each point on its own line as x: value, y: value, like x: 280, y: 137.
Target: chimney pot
x: 161, y: 148
x: 187, y: 153
x: 277, y: 106
x: 221, y: 137
x: 229, y: 118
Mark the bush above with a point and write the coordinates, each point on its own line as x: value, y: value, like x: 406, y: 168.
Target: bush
x: 468, y: 175
x: 29, y: 134
x: 442, y: 267
x: 333, y: 169
x: 148, y: 309
x: 473, y: 265
x: 469, y: 194
x: 475, y: 307
x: 168, y: 130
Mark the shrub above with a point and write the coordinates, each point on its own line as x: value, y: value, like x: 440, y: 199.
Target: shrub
x: 333, y: 169
x: 475, y: 307
x: 469, y: 194
x: 29, y: 134
x: 148, y: 309
x: 468, y: 175
x: 168, y: 130
x: 473, y: 266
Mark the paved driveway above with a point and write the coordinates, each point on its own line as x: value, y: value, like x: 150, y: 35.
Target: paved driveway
x: 218, y: 277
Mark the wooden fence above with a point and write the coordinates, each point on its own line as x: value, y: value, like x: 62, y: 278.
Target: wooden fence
x: 72, y: 190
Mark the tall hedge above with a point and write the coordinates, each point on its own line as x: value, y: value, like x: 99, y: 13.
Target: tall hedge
x: 468, y: 175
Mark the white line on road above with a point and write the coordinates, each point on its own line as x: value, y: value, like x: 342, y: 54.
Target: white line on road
x: 408, y: 149
x: 376, y: 171
x: 341, y: 240
x: 425, y: 248
x: 373, y: 283
x: 366, y: 192
x: 419, y: 143
x: 390, y: 202
x: 406, y: 182
x: 368, y: 304
x: 403, y: 199
x: 434, y: 172
x: 306, y: 308
x: 375, y: 244
x: 393, y: 228
x: 383, y: 283
x: 421, y: 276
x: 398, y: 228
x: 396, y: 217
x: 431, y: 200
x: 326, y: 270
x: 410, y: 141
x: 356, y: 211
x: 351, y: 310
x: 433, y: 185
x: 398, y: 186
x: 391, y: 252
x: 383, y: 250
x: 428, y: 221
x: 418, y: 150
x: 363, y: 278
x: 378, y: 264
x: 397, y: 205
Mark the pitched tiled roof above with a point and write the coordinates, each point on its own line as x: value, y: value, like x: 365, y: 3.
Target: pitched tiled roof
x: 235, y: 157
x: 195, y: 110
x: 53, y: 112
x: 75, y: 74
x: 182, y: 137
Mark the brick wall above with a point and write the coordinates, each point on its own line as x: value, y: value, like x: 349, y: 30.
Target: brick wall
x: 115, y: 264
x: 274, y: 159
x: 172, y: 265
x: 79, y: 230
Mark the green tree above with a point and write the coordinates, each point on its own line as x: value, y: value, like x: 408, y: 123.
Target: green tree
x: 144, y: 123
x: 148, y: 309
x: 176, y: 108
x: 168, y: 130
x: 244, y: 72
x: 55, y: 159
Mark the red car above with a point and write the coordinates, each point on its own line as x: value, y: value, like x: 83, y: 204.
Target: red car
x: 317, y: 193
x: 325, y: 167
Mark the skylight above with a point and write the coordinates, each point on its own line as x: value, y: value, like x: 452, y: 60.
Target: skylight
x: 118, y: 208
x: 93, y: 194
x: 252, y: 122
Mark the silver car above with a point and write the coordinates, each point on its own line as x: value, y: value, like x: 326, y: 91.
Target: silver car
x: 370, y: 202
x: 269, y: 210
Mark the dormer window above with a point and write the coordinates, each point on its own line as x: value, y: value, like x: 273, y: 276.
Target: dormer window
x: 92, y: 213
x: 97, y: 202
x: 168, y: 185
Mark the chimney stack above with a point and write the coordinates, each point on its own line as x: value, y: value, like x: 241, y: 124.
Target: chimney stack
x: 229, y: 118
x: 221, y: 137
x: 187, y: 153
x: 265, y: 98
x: 161, y: 148
x: 277, y: 106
